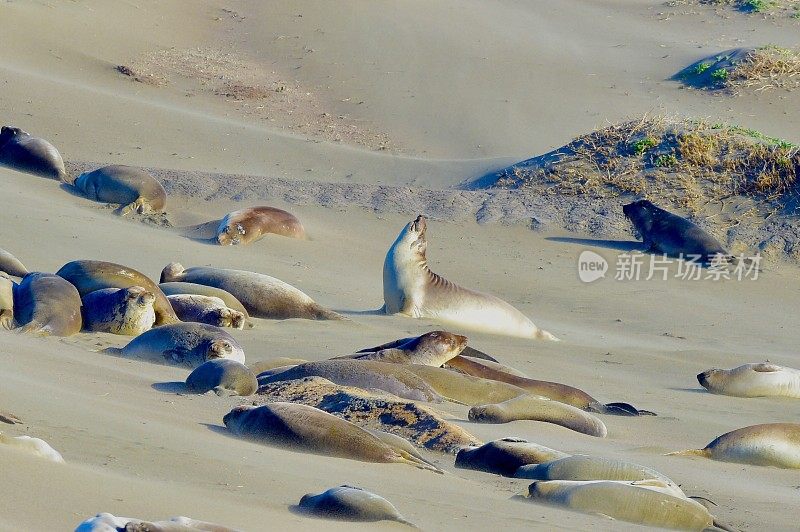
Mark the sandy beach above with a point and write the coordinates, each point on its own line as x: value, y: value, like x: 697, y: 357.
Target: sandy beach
x: 370, y: 113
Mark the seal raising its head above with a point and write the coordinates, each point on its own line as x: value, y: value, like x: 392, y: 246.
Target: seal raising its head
x: 22, y: 152
x: 412, y: 289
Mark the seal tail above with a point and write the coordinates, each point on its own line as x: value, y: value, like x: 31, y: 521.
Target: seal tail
x: 410, y: 459
x: 618, y: 409
x: 691, y: 452
x: 541, y: 334
x: 322, y: 313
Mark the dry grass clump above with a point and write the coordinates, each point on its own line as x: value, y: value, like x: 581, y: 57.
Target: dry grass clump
x: 681, y: 162
x: 771, y: 7
x: 766, y: 68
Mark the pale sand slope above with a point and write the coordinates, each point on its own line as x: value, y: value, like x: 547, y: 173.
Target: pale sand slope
x: 133, y: 450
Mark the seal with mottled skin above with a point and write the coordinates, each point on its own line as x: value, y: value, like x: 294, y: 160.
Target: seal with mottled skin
x: 34, y: 446
x: 580, y: 467
x: 132, y: 188
x: 412, y: 289
x: 351, y: 504
x: 176, y: 288
x: 33, y: 155
x: 762, y: 379
x: 308, y: 429
x: 90, y: 275
x: 505, y: 456
x: 106, y: 522
x: 430, y: 349
x: 12, y: 265
x: 221, y: 374
x: 364, y: 374
x: 6, y: 302
x: 538, y: 408
x: 646, y: 502
x: 206, y: 309
x: 263, y: 296
x: 248, y: 225
x: 769, y: 444
x: 184, y: 344
x: 47, y: 304
x: 664, y: 232
x: 126, y: 311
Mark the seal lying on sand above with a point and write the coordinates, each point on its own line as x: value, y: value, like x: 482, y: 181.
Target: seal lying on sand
x: 6, y: 302
x: 753, y: 380
x: 206, y: 309
x: 184, y: 344
x: 505, y: 456
x: 431, y: 349
x: 646, y: 502
x: 664, y: 232
x: 106, y: 522
x: 11, y: 265
x: 126, y: 311
x: 263, y: 296
x: 248, y: 225
x: 22, y: 152
x: 47, y: 304
x: 581, y: 467
x: 351, y: 504
x: 412, y: 289
x: 222, y: 374
x: 133, y: 188
x: 90, y: 275
x: 34, y: 446
x: 309, y: 429
x: 177, y: 288
x: 770, y: 444
x: 538, y: 408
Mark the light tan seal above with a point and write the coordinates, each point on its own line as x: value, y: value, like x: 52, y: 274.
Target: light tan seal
x: 308, y: 429
x: 221, y: 374
x: 183, y: 344
x: 34, y: 446
x: 412, y: 289
x: 505, y: 456
x: 430, y: 349
x: 206, y: 309
x: 538, y: 408
x: 47, y: 304
x: 125, y: 311
x: 263, y: 296
x: 645, y: 502
x: 762, y: 379
x: 177, y: 288
x: 106, y: 522
x: 6, y: 302
x: 248, y: 225
x: 350, y: 504
x: 90, y: 275
x: 12, y: 265
x: 770, y: 444
x: 33, y: 155
x: 580, y: 467
x: 132, y: 188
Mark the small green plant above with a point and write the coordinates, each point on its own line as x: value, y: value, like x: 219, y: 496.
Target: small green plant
x: 702, y: 67
x: 642, y: 145
x: 719, y: 75
x: 756, y: 6
x: 666, y: 160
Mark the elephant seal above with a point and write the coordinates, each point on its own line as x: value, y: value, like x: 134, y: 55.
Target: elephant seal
x: 106, y: 522
x: 430, y: 349
x: 263, y: 296
x: 260, y: 366
x: 34, y: 446
x: 126, y: 311
x: 412, y: 289
x: 184, y: 344
x: 177, y: 288
x: 248, y: 225
x: 505, y: 456
x: 645, y: 502
x: 206, y: 309
x: 6, y: 302
x: 11, y: 265
x: 664, y: 232
x: 366, y: 374
x: 133, y: 188
x: 487, y: 366
x: 761, y: 379
x: 579, y: 467
x: 308, y: 429
x: 351, y: 504
x: 538, y: 408
x: 47, y: 304
x: 770, y: 444
x: 90, y: 275
x: 222, y: 374
x: 33, y: 155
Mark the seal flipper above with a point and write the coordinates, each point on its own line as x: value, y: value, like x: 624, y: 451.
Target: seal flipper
x: 9, y: 418
x: 34, y: 327
x: 618, y: 409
